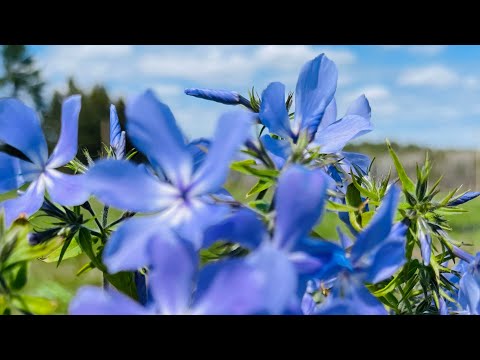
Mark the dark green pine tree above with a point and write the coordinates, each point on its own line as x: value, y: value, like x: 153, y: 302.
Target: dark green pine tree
x: 20, y: 74
x: 93, y: 127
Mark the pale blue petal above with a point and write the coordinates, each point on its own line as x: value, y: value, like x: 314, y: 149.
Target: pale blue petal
x: 308, y: 304
x: 198, y: 150
x: 92, y: 300
x: 389, y: 258
x: 27, y: 204
x: 153, y: 130
x: 379, y: 227
x: 299, y: 200
x: 315, y: 90
x: 21, y: 129
x: 232, y: 131
x: 360, y: 107
x: 273, y: 112
x: 234, y: 287
x: 11, y: 172
x: 469, y: 294
x: 425, y: 246
x: 278, y: 150
x: 66, y: 147
x: 279, y: 277
x: 173, y: 266
x: 333, y: 138
x: 330, y: 115
x: 117, y: 136
x: 242, y: 227
x: 128, y: 247
x: 126, y: 186
x: 349, y: 159
x: 68, y: 190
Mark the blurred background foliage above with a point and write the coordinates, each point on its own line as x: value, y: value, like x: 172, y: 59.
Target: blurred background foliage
x: 20, y: 77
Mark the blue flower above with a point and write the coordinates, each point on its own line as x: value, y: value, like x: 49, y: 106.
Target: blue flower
x: 20, y: 128
x: 469, y: 195
x: 221, y: 96
x: 288, y: 258
x: 117, y: 136
x: 230, y: 287
x: 378, y: 252
x: 176, y: 190
x: 469, y: 288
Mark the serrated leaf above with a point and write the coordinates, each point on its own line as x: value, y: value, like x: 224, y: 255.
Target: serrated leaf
x: 34, y: 304
x: 407, y: 183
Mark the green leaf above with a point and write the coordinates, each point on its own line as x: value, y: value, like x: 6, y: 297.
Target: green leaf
x: 26, y: 252
x: 85, y: 268
x: 33, y: 304
x: 123, y: 281
x: 17, y: 275
x: 245, y: 167
x: 260, y: 186
x: 407, y: 183
x: 333, y: 206
x: 85, y: 242
x: 72, y: 251
x: 64, y: 248
x: 260, y: 205
x: 353, y: 196
x: 366, y: 217
x: 367, y: 193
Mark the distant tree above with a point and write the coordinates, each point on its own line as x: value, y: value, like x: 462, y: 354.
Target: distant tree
x: 20, y: 75
x: 94, y: 117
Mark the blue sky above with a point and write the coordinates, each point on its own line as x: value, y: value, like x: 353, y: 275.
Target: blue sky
x: 424, y: 94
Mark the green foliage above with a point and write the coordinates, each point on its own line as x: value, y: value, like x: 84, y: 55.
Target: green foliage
x: 15, y: 256
x: 21, y: 75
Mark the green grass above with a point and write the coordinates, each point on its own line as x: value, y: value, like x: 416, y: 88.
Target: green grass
x: 466, y: 226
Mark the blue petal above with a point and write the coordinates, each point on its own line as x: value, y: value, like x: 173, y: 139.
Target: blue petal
x: 279, y: 276
x: 315, y: 90
x: 66, y: 189
x: 229, y: 287
x: 154, y: 132
x: 329, y: 116
x: 470, y: 195
x: 334, y: 137
x: 389, y: 257
x: 319, y: 259
x: 344, y: 239
x: 349, y: 158
x: 425, y: 246
x: 26, y: 204
x: 221, y: 96
x: 242, y: 227
x: 308, y: 304
x: 273, y: 112
x: 128, y: 247
x: 126, y: 186
x: 360, y: 107
x: 173, y: 266
x: 21, y: 129
x: 353, y: 299
x: 66, y: 147
x: 198, y: 150
x: 299, y: 202
x: 190, y: 219
x: 469, y: 294
x: 232, y: 131
x: 117, y: 136
x: 11, y: 173
x: 279, y: 150
x: 91, y: 300
x: 379, y: 227
x: 462, y: 254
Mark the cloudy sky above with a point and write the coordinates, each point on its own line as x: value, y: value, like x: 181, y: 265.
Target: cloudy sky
x: 426, y: 94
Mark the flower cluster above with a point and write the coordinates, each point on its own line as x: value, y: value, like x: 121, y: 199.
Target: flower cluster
x: 185, y: 245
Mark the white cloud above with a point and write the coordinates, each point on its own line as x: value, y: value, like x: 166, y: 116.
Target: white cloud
x: 432, y: 75
x: 429, y: 50
x: 168, y: 90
